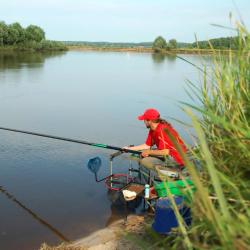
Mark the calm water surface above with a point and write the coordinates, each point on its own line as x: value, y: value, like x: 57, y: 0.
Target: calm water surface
x: 47, y: 193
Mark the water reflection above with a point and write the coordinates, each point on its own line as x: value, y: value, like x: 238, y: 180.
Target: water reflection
x: 120, y: 208
x: 17, y: 60
x: 160, y: 58
x: 34, y: 215
x: 171, y: 57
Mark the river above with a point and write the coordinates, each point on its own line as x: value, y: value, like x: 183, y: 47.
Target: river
x: 47, y: 193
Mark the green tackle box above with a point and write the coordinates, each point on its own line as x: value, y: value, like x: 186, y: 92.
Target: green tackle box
x: 178, y: 188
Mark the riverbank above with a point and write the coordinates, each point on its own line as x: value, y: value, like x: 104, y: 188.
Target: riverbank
x: 33, y: 46
x: 113, y: 237
x: 90, y: 48
x: 59, y: 47
x: 148, y: 50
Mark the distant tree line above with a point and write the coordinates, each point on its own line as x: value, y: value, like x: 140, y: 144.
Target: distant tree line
x: 218, y: 43
x: 32, y: 37
x: 161, y: 45
x: 108, y: 44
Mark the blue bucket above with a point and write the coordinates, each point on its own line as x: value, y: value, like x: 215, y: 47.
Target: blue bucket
x: 165, y: 218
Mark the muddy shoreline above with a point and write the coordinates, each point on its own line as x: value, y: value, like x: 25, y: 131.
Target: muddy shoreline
x: 150, y: 50
x: 112, y: 237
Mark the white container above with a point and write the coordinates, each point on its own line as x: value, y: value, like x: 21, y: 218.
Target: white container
x: 146, y: 194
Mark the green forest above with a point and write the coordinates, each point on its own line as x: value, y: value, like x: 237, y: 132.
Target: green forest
x: 14, y: 36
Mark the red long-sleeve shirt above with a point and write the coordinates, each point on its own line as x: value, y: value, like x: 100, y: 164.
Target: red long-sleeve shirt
x: 159, y: 138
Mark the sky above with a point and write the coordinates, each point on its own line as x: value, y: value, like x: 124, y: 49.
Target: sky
x: 128, y: 20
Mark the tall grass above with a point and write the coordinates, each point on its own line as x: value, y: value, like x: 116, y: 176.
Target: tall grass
x: 221, y: 204
x: 221, y: 119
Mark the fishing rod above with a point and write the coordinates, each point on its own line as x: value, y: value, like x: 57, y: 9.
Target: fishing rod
x: 99, y: 145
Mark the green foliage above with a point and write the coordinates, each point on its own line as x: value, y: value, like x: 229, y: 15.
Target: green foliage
x: 173, y: 43
x: 3, y: 33
x: 159, y: 44
x: 14, y: 36
x: 34, y: 33
x: 218, y: 43
x: 51, y: 45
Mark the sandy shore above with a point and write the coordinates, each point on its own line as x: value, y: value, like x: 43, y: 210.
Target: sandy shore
x: 109, y: 238
x: 150, y: 50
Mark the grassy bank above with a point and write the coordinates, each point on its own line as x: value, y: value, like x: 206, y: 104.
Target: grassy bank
x: 116, y: 49
x: 44, y: 45
x: 150, y: 50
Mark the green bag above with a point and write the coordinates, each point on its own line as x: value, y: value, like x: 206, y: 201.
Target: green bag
x: 179, y: 188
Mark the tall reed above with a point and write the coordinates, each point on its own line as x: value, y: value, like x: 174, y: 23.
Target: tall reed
x: 221, y: 203
x: 221, y: 119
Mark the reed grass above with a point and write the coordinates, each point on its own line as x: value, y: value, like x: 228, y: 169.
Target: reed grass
x: 223, y: 131
x: 221, y: 119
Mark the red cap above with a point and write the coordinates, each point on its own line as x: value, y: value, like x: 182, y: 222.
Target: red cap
x: 149, y: 114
